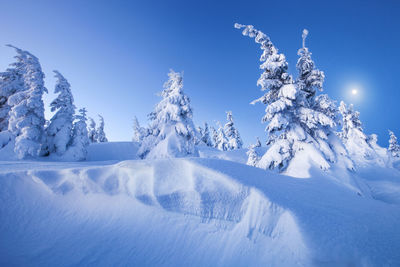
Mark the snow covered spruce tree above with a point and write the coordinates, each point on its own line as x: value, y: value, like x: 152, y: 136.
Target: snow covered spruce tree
x: 59, y: 131
x: 80, y: 140
x: 222, y: 143
x: 231, y: 133
x: 11, y: 82
x: 357, y: 143
x: 295, y: 125
x: 139, y: 132
x: 26, y: 116
x: 101, y: 135
x: 205, y: 137
x: 394, y: 147
x: 92, y: 131
x: 171, y: 132
x: 214, y: 135
x: 252, y: 155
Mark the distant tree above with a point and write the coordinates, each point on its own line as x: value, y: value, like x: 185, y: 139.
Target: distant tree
x: 253, y: 157
x: 59, y: 131
x: 232, y: 134
x: 205, y: 136
x: 139, y: 133
x: 214, y: 134
x: 101, y: 135
x: 394, y: 147
x: 171, y: 132
x: 356, y: 141
x: 222, y: 141
x: 92, y: 131
x: 26, y: 116
x: 80, y: 140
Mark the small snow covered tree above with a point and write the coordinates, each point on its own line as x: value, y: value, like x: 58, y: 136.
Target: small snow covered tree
x: 394, y: 147
x: 232, y: 134
x: 352, y: 135
x: 26, y: 116
x: 92, y: 131
x: 214, y: 134
x: 221, y: 142
x: 80, y: 140
x: 205, y: 137
x: 101, y: 135
x: 139, y: 133
x: 172, y: 132
x: 59, y: 131
x: 253, y: 157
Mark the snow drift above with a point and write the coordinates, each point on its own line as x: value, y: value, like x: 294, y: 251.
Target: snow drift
x: 193, y: 211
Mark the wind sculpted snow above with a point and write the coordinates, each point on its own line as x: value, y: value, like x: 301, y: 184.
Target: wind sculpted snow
x: 194, y: 211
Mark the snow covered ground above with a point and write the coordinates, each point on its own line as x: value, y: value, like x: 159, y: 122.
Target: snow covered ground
x: 115, y: 210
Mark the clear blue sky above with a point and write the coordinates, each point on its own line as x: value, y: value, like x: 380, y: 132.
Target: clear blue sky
x: 116, y: 54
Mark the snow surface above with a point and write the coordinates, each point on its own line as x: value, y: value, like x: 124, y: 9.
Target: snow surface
x: 113, y: 210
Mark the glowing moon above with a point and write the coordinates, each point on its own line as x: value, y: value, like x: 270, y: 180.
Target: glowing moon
x: 354, y: 91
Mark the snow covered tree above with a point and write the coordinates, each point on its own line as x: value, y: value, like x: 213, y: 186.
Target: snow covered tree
x: 11, y: 81
x: 139, y: 133
x: 309, y: 78
x: 59, y: 131
x: 352, y: 135
x: 232, y: 134
x: 283, y: 130
x: 101, y: 135
x: 26, y: 116
x: 253, y: 157
x: 214, y: 134
x: 394, y: 147
x: 222, y: 143
x: 172, y: 132
x: 296, y: 121
x: 205, y: 136
x: 80, y: 140
x: 92, y: 131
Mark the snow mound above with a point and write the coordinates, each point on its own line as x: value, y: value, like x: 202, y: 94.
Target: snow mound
x: 197, y: 212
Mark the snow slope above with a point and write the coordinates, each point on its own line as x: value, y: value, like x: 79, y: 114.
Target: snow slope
x: 193, y: 212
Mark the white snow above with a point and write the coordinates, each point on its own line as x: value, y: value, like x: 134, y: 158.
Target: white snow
x: 208, y: 211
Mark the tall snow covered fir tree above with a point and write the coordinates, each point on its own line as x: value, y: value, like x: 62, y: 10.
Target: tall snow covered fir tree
x: 394, y: 147
x: 101, y: 135
x: 231, y: 133
x: 26, y: 116
x: 11, y: 82
x: 171, y: 132
x: 92, y: 131
x: 296, y: 122
x: 59, y: 131
x: 80, y: 140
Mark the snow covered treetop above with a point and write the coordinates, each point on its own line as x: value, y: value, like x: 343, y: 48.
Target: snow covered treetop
x: 274, y: 64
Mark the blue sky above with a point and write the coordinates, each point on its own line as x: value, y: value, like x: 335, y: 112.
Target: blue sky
x: 116, y: 54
